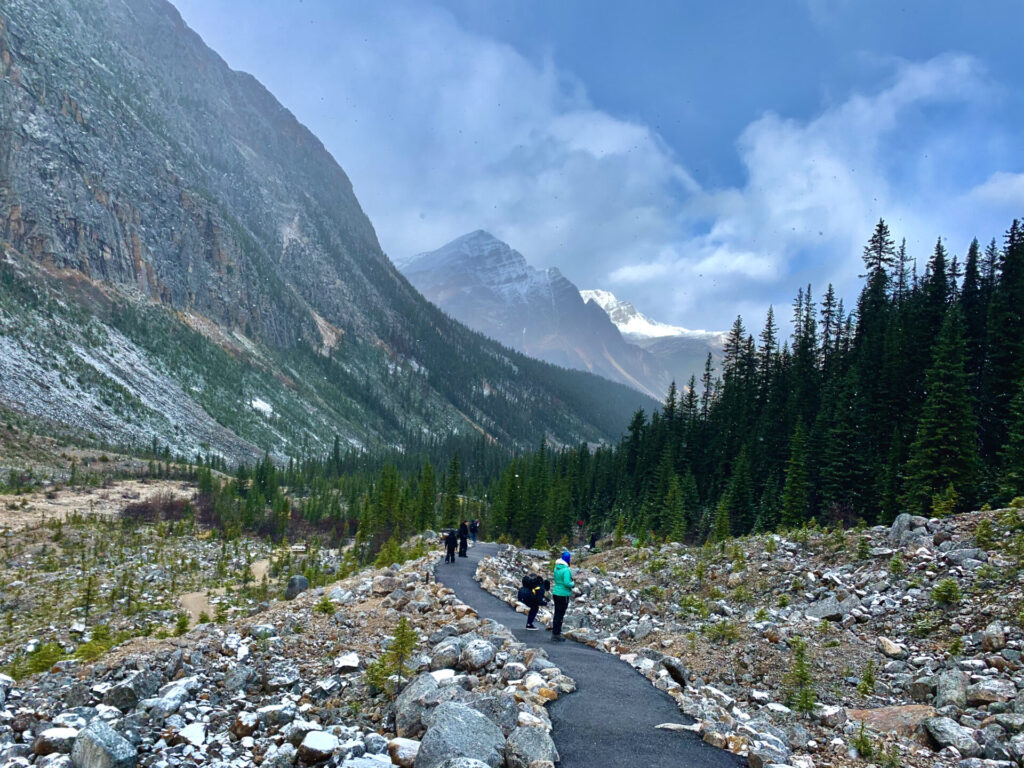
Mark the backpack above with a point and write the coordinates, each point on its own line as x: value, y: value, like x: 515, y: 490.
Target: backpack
x: 531, y: 581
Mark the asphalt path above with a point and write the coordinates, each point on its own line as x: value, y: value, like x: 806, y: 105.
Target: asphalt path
x: 609, y: 722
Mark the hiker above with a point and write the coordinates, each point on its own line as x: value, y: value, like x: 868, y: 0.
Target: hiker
x: 531, y: 594
x: 593, y: 540
x: 474, y: 526
x: 561, y: 592
x: 463, y: 538
x: 449, y: 545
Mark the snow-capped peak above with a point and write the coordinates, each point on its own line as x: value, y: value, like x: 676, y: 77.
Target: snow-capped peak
x: 635, y: 324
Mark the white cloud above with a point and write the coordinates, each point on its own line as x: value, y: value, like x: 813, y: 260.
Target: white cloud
x: 443, y: 131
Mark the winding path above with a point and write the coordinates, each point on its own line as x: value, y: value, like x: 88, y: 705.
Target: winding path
x: 609, y: 721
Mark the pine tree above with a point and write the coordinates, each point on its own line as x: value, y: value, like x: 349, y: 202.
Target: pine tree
x: 1012, y: 480
x: 675, y: 513
x: 944, y: 451
x: 879, y: 254
x: 795, y: 491
x: 452, y: 487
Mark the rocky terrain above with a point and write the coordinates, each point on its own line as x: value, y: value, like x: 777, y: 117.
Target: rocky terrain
x: 912, y: 632
x: 282, y: 673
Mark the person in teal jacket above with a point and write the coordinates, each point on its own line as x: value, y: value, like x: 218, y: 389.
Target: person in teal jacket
x: 561, y: 592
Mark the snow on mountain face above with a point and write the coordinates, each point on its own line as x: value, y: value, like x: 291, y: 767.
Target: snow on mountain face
x: 634, y: 324
x: 489, y: 286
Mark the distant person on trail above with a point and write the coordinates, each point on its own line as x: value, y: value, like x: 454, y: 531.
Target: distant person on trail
x: 463, y: 538
x: 449, y: 545
x: 593, y: 540
x: 474, y: 526
x: 562, y: 591
x: 531, y: 594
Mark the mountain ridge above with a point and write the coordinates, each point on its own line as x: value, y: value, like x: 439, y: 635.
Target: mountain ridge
x: 155, y: 201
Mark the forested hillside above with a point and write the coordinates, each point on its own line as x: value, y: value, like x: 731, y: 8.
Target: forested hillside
x: 911, y: 400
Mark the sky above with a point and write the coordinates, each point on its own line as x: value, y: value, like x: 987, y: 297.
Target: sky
x: 701, y: 160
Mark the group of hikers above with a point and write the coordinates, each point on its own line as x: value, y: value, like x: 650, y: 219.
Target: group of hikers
x: 468, y: 530
x: 533, y: 591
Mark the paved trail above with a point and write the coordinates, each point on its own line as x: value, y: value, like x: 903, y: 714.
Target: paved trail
x: 609, y: 721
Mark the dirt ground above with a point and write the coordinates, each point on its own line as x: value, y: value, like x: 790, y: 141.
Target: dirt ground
x: 30, y: 509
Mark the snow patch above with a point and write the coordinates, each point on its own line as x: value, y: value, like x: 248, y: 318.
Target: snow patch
x: 634, y: 323
x: 262, y: 406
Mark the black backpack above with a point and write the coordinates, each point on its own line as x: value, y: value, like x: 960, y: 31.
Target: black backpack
x: 531, y: 580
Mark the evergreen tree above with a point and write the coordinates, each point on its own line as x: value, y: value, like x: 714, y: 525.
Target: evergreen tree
x: 944, y: 450
x: 795, y: 492
x: 1012, y: 481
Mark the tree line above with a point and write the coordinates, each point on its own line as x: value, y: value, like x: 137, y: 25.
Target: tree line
x: 912, y: 400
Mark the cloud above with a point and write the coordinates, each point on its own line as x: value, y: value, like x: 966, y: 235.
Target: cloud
x: 444, y: 131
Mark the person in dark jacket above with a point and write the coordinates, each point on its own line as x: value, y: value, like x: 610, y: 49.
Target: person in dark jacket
x: 474, y: 526
x: 561, y: 592
x: 463, y: 538
x: 449, y: 545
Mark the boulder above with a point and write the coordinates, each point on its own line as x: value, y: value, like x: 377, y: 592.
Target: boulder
x: 100, y: 746
x: 476, y: 654
x: 951, y: 689
x: 245, y: 724
x: 899, y: 526
x: 55, y: 740
x: 297, y: 584
x: 347, y: 662
x: 384, y: 585
x: 446, y: 654
x: 528, y: 745
x: 240, y: 677
x: 993, y: 638
x: 411, y: 706
x: 500, y: 709
x: 891, y: 649
x: 831, y: 608
x: 676, y: 669
x: 131, y: 690
x: 901, y: 720
x: 317, y: 746
x: 947, y: 733
x: 455, y: 730
x: 991, y: 689
x: 403, y: 752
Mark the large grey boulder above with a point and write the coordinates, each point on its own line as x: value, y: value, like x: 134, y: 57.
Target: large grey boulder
x: 411, y: 705
x: 455, y: 730
x: 500, y: 709
x: 446, y: 654
x: 951, y: 689
x: 296, y: 586
x: 476, y: 654
x: 831, y: 608
x: 100, y: 746
x: 527, y: 745
x: 993, y: 638
x: 899, y: 526
x: 947, y: 733
x: 131, y: 690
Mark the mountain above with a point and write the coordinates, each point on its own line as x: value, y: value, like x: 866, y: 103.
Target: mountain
x: 681, y: 351
x: 486, y: 284
x: 183, y: 264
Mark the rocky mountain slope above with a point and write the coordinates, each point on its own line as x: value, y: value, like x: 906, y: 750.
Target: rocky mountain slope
x: 912, y: 632
x: 484, y: 283
x: 182, y: 261
x: 681, y: 351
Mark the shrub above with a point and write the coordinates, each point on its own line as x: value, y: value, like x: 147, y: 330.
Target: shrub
x: 862, y: 743
x: 863, y: 548
x: 956, y: 646
x: 324, y: 606
x: 1017, y: 502
x: 802, y: 696
x: 866, y: 686
x: 771, y: 546
x: 181, y: 624
x: 946, y: 592
x: 984, y: 536
x: 891, y: 758
x: 761, y: 614
x: 723, y: 631
x: 783, y: 601
x: 897, y: 567
x: 41, y: 659
x: 944, y: 504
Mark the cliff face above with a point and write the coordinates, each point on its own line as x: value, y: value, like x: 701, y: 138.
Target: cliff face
x: 140, y: 175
